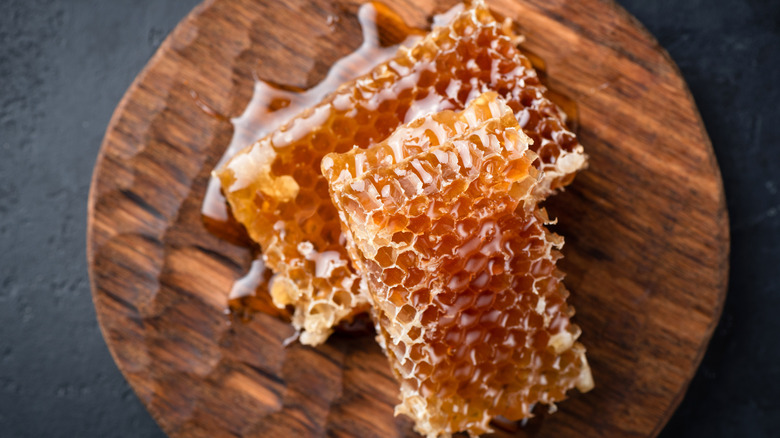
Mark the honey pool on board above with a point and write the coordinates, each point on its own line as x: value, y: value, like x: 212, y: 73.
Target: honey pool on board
x: 276, y: 191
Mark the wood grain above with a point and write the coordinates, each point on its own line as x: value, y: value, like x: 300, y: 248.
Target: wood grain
x: 645, y: 225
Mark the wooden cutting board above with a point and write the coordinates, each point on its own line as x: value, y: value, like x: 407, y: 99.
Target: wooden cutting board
x: 646, y: 229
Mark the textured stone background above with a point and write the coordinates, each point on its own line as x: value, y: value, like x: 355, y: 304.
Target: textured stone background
x: 64, y: 65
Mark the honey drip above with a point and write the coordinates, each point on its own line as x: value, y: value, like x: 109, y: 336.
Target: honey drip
x: 249, y: 294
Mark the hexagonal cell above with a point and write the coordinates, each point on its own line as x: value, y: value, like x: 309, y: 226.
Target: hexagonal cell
x: 385, y: 256
x: 393, y: 276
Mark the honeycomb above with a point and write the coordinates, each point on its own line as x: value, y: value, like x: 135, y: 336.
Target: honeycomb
x: 275, y: 189
x: 469, y: 305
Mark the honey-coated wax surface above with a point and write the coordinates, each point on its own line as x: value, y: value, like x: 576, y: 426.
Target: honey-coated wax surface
x: 442, y: 222
x: 275, y: 188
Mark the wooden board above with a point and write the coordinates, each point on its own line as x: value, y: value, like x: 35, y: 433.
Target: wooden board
x: 645, y: 225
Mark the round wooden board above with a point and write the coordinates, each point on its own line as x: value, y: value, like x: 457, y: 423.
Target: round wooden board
x: 646, y: 229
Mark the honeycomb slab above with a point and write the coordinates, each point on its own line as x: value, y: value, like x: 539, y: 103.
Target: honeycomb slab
x: 442, y: 222
x: 275, y: 188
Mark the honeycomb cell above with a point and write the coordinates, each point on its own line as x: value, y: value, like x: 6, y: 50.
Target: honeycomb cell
x: 445, y: 70
x: 468, y: 341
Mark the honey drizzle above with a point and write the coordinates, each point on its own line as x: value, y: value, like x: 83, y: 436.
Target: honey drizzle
x: 249, y: 294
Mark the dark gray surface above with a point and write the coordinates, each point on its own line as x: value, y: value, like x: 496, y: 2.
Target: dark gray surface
x: 64, y: 65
